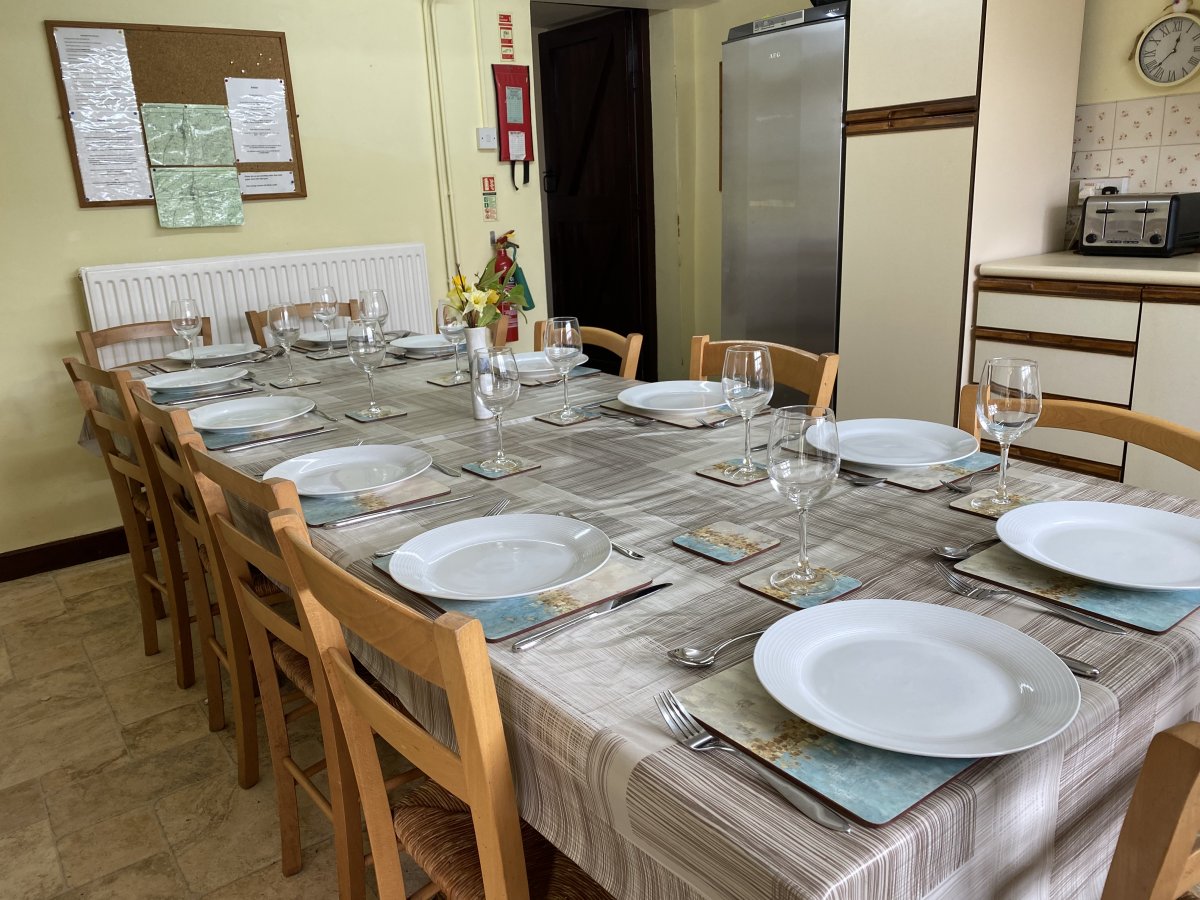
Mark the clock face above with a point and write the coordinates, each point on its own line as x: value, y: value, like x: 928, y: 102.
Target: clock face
x: 1169, y: 51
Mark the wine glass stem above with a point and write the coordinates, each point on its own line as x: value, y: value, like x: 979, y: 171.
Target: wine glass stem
x: 566, y: 394
x: 329, y: 337
x: 371, y: 388
x: 456, y: 368
x: 748, y: 462
x: 802, y: 560
x: 1002, y: 487
x: 287, y: 351
x: 192, y: 350
x: 499, y: 437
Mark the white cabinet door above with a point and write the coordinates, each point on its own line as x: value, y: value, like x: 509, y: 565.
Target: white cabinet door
x: 903, y: 263
x: 911, y: 52
x: 1166, y: 384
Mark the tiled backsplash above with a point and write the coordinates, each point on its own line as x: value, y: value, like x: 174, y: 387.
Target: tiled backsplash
x: 1153, y: 141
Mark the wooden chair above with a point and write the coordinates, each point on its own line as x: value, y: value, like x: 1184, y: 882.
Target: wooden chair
x: 1155, y: 858
x: 627, y: 347
x: 168, y: 433
x: 462, y: 826
x: 90, y: 342
x: 238, y: 509
x: 257, y: 318
x: 812, y: 375
x: 1176, y: 441
x: 107, y: 400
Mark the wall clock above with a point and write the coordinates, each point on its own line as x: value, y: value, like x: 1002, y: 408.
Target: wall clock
x: 1168, y: 51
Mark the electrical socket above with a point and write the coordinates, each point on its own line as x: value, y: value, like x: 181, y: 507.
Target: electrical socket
x: 1097, y: 185
x: 486, y: 138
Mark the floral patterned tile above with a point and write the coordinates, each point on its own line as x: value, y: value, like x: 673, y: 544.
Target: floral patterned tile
x: 1179, y: 168
x: 1091, y: 164
x: 1094, y: 125
x: 1139, y: 164
x: 1139, y: 123
x: 1181, y: 121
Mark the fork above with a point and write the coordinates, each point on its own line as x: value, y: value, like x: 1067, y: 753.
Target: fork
x: 961, y: 586
x: 636, y: 421
x: 620, y: 548
x: 494, y: 511
x: 689, y: 732
x: 719, y: 423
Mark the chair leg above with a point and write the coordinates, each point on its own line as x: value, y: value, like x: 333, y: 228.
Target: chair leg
x: 241, y: 682
x: 207, y: 633
x: 148, y: 600
x: 175, y: 595
x: 344, y: 800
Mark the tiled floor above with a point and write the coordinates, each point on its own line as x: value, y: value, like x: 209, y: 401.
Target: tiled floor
x: 111, y: 784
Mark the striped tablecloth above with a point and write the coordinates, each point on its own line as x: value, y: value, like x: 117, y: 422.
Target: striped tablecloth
x: 598, y: 773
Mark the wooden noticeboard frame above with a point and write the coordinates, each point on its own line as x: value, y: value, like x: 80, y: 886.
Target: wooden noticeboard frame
x: 176, y: 64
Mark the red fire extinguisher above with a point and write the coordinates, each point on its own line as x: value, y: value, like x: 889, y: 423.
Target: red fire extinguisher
x: 504, y: 263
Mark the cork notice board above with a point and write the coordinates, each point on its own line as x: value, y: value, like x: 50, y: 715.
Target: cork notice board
x: 172, y: 64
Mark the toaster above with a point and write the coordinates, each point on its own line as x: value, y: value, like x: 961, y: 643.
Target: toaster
x: 1140, y: 224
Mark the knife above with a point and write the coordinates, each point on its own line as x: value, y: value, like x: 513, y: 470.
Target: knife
x: 221, y: 396
x: 603, y: 609
x: 1079, y: 667
x: 446, y: 470
x: 367, y: 517
x: 234, y: 448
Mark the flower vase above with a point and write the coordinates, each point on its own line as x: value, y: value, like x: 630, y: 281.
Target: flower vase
x: 478, y: 338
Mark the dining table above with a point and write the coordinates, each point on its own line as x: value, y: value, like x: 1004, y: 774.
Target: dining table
x: 597, y: 771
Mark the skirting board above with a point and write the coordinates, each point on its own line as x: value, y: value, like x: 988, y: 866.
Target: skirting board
x: 60, y: 554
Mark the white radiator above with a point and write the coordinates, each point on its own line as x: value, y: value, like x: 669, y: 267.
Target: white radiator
x: 227, y: 286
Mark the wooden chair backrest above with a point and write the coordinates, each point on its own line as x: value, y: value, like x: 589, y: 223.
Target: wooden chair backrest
x: 626, y: 346
x: 1160, y: 435
x: 90, y: 342
x: 806, y: 372
x: 168, y: 432
x: 257, y: 319
x: 1155, y: 857
x: 449, y: 652
x: 107, y: 401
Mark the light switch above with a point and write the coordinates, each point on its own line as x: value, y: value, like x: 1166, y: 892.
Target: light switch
x: 486, y: 138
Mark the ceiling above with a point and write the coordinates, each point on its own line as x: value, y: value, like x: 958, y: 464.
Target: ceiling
x: 551, y: 14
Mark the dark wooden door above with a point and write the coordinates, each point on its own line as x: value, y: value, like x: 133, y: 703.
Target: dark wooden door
x: 595, y: 96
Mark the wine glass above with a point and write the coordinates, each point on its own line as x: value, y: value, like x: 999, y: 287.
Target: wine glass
x: 284, y: 321
x: 367, y: 348
x: 185, y: 322
x: 497, y: 383
x: 454, y: 329
x: 1009, y: 404
x: 324, y: 308
x: 564, y: 348
x: 372, y: 306
x: 748, y: 385
x: 803, y: 460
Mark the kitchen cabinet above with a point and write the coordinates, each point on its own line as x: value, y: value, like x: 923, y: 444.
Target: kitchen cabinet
x: 966, y: 164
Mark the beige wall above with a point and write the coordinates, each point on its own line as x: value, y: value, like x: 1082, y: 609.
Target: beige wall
x: 1110, y: 29
x: 360, y: 76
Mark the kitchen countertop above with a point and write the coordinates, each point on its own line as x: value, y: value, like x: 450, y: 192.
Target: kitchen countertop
x: 1179, y: 271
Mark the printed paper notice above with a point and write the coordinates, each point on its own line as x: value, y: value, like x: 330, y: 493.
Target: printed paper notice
x: 258, y: 113
x: 197, y: 197
x: 267, y: 182
x: 187, y: 134
x: 516, y: 145
x: 104, y: 113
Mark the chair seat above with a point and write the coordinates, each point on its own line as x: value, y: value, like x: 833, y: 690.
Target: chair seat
x: 434, y: 827
x: 260, y: 584
x: 141, y: 502
x: 295, y: 666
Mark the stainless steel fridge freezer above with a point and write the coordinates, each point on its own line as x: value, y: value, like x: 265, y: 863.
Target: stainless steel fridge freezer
x: 783, y: 98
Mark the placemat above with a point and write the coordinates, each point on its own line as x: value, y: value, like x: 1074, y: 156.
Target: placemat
x: 446, y: 379
x: 389, y: 412
x: 1025, y: 487
x: 320, y: 511
x: 504, y: 619
x: 586, y: 415
x: 225, y: 440
x: 726, y: 542
x: 721, y: 472
x: 760, y: 583
x: 932, y: 477
x: 301, y: 381
x: 872, y: 786
x: 476, y: 469
x: 1149, y: 611
x: 550, y: 381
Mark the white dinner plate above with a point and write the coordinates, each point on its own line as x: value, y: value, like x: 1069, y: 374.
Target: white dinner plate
x: 917, y: 678
x: 344, y: 471
x: 682, y: 397
x: 215, y: 353
x: 896, y: 443
x: 497, y: 557
x: 189, y: 380
x: 1126, y: 546
x: 537, y: 364
x: 423, y: 342
x: 249, y: 412
x: 319, y: 336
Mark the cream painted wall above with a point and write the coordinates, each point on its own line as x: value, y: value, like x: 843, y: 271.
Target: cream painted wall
x: 1110, y: 29
x: 359, y: 71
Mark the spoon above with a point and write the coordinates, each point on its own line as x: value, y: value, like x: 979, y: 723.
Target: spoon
x: 963, y: 552
x: 699, y: 657
x: 962, y: 485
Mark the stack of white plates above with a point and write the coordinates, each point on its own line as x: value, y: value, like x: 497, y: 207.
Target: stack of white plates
x: 902, y: 443
x: 346, y: 471
x: 320, y: 338
x: 683, y: 398
x: 424, y: 346
x: 247, y: 413
x: 537, y: 364
x: 215, y: 354
x: 193, y: 383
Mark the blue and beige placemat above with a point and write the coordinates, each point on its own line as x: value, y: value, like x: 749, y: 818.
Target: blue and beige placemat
x: 872, y: 786
x: 1152, y: 611
x: 929, y: 478
x: 320, y: 511
x: 760, y: 583
x: 228, y: 440
x: 504, y: 619
x: 726, y: 542
x: 723, y: 472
